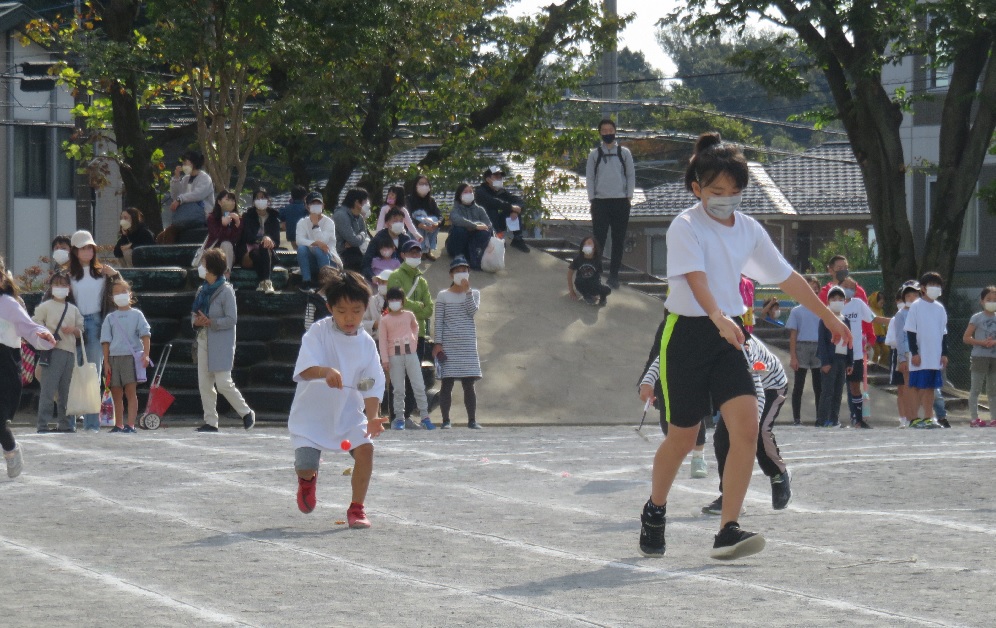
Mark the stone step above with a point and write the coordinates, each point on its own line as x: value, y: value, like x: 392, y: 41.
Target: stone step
x: 247, y: 352
x: 155, y: 278
x: 193, y: 236
x: 276, y: 374
x: 648, y: 287
x: 257, y: 328
x: 182, y: 255
x: 285, y: 302
x: 163, y: 330
x: 245, y: 278
x: 285, y: 349
x: 183, y: 376
x: 165, y: 304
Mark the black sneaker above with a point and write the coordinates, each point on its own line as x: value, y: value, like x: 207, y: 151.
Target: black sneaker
x: 613, y: 282
x: 520, y: 244
x: 862, y: 424
x: 715, y: 508
x: 603, y: 301
x: 732, y: 543
x: 944, y: 423
x: 249, y: 420
x: 206, y: 428
x: 446, y: 425
x: 781, y: 491
x: 652, y: 541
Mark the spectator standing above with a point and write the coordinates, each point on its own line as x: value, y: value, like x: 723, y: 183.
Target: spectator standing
x: 804, y: 336
x: 981, y: 336
x: 64, y: 320
x: 455, y: 349
x: 610, y: 176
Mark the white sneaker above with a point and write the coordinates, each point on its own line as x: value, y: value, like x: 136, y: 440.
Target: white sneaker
x: 268, y: 287
x: 15, y: 463
x: 261, y: 287
x: 699, y: 467
x: 903, y: 423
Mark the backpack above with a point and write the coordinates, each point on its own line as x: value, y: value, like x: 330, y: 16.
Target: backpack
x: 601, y: 157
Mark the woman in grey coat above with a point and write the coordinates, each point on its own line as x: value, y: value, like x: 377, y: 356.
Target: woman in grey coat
x: 214, y: 315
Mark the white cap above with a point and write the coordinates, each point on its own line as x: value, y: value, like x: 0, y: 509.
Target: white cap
x: 384, y: 275
x: 82, y: 238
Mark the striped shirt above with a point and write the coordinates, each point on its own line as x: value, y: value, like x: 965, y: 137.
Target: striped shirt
x: 456, y: 333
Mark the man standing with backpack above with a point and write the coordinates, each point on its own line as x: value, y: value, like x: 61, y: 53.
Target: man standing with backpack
x: 611, y: 179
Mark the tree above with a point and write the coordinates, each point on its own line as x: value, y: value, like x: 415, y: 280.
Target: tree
x: 851, y: 41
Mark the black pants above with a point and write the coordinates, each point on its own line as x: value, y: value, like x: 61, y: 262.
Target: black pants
x: 769, y: 458
x: 10, y: 393
x: 263, y: 261
x: 611, y: 213
x: 469, y: 396
x: 700, y: 439
x: 470, y: 244
x: 799, y: 385
x: 592, y: 289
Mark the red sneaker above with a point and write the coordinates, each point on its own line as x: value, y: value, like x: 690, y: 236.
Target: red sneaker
x: 356, y: 517
x: 306, y: 499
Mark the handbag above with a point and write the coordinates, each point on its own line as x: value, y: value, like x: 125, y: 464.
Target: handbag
x: 84, y: 388
x: 106, y: 416
x: 29, y: 362
x: 45, y: 356
x: 138, y: 354
x: 200, y: 252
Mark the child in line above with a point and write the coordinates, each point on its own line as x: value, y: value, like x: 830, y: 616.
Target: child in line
x: 399, y: 356
x: 857, y: 313
x: 64, y: 320
x: 376, y: 305
x: 927, y: 331
x: 771, y: 388
x: 585, y: 274
x: 124, y: 333
x: 981, y: 336
x: 804, y: 336
x: 331, y: 410
x: 456, y: 341
x: 836, y: 363
x: 876, y: 301
x: 315, y: 309
x: 909, y: 293
x: 709, y: 246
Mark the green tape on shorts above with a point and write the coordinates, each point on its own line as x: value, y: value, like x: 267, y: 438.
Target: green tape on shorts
x: 665, y: 340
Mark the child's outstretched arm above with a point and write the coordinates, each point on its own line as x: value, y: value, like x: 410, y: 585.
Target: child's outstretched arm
x: 797, y: 288
x: 728, y: 329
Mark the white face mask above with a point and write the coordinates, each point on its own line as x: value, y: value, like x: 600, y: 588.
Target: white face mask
x: 62, y: 292
x: 394, y: 305
x: 588, y: 250
x: 316, y: 208
x: 836, y: 306
x: 722, y: 207
x: 61, y: 256
x: 467, y: 199
x: 382, y: 289
x: 990, y: 306
x: 365, y: 209
x: 900, y: 306
x: 122, y: 299
x: 125, y: 224
x: 423, y: 190
x: 413, y: 261
x: 934, y: 291
x: 497, y: 184
x: 775, y: 314
x: 261, y: 203
x: 459, y: 278
x: 202, y: 272
x: 909, y: 303
x: 187, y: 169
x: 397, y: 228
x: 386, y: 252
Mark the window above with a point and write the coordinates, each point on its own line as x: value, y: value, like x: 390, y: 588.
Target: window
x: 658, y: 256
x: 32, y: 159
x: 969, y: 242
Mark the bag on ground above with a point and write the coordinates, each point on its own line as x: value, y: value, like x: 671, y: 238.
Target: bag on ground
x: 493, y: 259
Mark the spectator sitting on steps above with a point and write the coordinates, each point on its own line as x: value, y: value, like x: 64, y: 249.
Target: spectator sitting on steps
x: 392, y: 236
x: 471, y: 228
x: 502, y: 206
x: 192, y: 191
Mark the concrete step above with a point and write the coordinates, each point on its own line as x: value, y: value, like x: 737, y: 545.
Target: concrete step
x: 193, y: 236
x: 245, y: 278
x: 183, y: 375
x: 278, y: 374
x: 285, y: 349
x: 285, y: 302
x: 247, y: 352
x: 257, y: 328
x: 182, y: 255
x: 649, y: 287
x: 156, y: 278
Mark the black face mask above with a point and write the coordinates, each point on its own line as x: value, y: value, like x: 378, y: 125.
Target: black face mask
x: 841, y: 275
x: 608, y: 138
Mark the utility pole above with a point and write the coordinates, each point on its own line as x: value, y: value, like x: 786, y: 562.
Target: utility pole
x: 610, y: 68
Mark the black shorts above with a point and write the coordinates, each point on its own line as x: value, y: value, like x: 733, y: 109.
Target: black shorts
x: 895, y: 375
x: 699, y: 370
x: 858, y: 374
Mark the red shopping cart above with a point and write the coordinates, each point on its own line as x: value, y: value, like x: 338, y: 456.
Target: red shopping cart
x: 159, y: 399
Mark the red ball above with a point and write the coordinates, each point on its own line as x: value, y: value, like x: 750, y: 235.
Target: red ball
x: 759, y: 366
x: 345, y: 445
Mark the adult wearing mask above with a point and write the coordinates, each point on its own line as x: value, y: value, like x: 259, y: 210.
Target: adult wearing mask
x: 470, y: 227
x: 132, y: 235
x: 90, y: 281
x: 192, y: 191
x: 214, y: 315
x: 260, y: 236
x: 839, y: 272
x: 316, y: 241
x: 502, y: 206
x: 418, y: 300
x: 392, y: 236
x: 225, y: 225
x: 61, y: 245
x: 426, y: 215
x: 292, y: 213
x: 352, y: 236
x: 611, y: 179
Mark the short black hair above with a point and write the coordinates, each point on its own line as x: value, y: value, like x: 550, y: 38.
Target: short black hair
x: 598, y: 250
x: 713, y: 157
x: 836, y: 258
x: 394, y: 212
x: 261, y: 190
x: 836, y: 291
x: 347, y: 285
x: 986, y: 292
x: 195, y: 158
x: 298, y: 192
x: 62, y: 239
x: 353, y: 195
x: 906, y: 289
x: 395, y: 294
x: 931, y: 278
x: 607, y: 121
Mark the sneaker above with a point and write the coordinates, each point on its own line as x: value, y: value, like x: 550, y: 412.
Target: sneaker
x: 249, y: 420
x: 797, y: 422
x: 944, y: 423
x: 306, y: 498
x: 715, y: 508
x: 446, y: 425
x: 15, y: 462
x: 862, y: 424
x: 992, y: 424
x: 931, y: 424
x: 356, y: 518
x: 45, y: 430
x: 732, y: 543
x: 427, y: 424
x: 519, y: 243
x: 261, y: 287
x: 398, y: 424
x: 129, y: 429
x: 699, y: 467
x: 613, y: 282
x: 429, y: 255
x: 204, y: 428
x: 268, y: 287
x: 589, y: 300
x: 94, y: 430
x: 603, y: 301
x: 781, y: 491
x: 903, y: 423
x: 116, y: 429
x: 652, y: 541
x: 412, y: 425
x: 978, y: 423
x: 474, y: 425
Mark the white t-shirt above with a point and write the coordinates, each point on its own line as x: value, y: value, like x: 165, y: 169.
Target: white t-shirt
x: 696, y: 242
x: 322, y: 417
x: 857, y: 312
x: 88, y: 293
x: 890, y: 333
x: 929, y: 321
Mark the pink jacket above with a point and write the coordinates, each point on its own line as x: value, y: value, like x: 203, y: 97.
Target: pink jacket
x: 397, y: 329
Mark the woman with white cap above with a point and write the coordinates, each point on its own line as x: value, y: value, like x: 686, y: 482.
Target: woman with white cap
x: 89, y: 279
